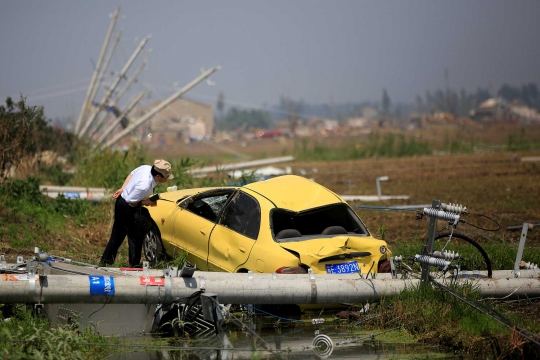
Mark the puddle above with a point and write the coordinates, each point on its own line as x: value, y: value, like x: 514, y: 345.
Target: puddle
x: 266, y: 338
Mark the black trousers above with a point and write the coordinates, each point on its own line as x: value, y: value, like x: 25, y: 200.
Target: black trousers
x: 125, y: 223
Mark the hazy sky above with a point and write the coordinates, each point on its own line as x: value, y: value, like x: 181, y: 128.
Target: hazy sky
x: 316, y: 51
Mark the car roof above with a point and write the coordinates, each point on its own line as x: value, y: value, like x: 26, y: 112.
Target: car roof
x: 294, y: 192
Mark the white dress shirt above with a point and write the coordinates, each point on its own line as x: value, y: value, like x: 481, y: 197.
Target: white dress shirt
x: 141, y: 185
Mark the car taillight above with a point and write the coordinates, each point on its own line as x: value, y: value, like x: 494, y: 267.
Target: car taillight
x: 291, y: 270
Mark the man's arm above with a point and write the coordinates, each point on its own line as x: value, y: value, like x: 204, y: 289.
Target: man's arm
x: 119, y: 191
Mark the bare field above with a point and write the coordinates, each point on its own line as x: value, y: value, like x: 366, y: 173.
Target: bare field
x: 495, y: 184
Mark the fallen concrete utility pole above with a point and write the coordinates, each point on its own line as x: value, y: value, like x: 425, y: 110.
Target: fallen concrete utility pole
x: 74, y: 192
x: 240, y: 165
x: 231, y: 288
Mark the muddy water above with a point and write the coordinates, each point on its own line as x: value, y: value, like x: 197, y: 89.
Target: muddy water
x: 266, y: 338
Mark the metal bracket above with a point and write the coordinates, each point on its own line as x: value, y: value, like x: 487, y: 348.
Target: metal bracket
x: 146, y: 271
x: 519, y: 254
x: 31, y: 271
x: 432, y: 228
x: 202, y: 283
x: 393, y: 268
x: 168, y: 289
x: 187, y: 271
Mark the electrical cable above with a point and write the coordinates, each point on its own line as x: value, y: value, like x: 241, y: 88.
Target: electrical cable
x: 481, y: 228
x: 490, y: 312
x: 270, y: 314
x: 386, y: 208
x: 485, y: 310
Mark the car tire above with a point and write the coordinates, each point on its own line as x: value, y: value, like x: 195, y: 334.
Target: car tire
x: 154, y: 251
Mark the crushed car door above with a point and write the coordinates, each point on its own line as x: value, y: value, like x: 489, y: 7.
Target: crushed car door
x: 196, y: 222
x: 236, y: 233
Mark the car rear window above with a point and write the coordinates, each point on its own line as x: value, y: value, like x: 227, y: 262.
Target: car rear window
x: 328, y: 220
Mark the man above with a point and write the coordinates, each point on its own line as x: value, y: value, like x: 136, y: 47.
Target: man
x: 129, y: 215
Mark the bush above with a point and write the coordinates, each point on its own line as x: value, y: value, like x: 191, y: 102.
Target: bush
x: 25, y: 133
x: 106, y: 168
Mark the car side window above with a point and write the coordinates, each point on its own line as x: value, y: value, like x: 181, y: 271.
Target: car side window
x: 243, y: 215
x: 208, y: 205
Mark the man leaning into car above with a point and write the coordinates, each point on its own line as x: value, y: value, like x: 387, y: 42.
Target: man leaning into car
x: 130, y: 217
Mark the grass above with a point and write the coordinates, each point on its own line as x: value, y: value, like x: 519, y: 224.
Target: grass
x: 501, y: 254
x: 375, y: 144
x: 449, y: 323
x: 474, y: 171
x: 24, y: 335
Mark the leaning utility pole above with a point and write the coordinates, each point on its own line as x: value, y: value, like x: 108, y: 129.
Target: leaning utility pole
x: 110, y: 91
x: 105, y: 66
x: 124, y: 113
x: 161, y: 106
x: 90, y: 90
x: 103, y: 118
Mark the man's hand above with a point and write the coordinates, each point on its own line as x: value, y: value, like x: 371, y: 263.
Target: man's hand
x: 117, y: 193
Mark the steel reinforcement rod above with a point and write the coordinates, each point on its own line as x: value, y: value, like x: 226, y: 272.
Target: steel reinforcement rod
x: 231, y: 288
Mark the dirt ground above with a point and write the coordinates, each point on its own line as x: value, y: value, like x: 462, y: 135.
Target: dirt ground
x: 495, y: 184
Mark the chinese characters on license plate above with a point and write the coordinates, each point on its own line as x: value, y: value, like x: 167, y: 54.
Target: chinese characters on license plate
x: 343, y: 268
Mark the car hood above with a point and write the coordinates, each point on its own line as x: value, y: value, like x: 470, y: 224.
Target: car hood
x: 313, y: 250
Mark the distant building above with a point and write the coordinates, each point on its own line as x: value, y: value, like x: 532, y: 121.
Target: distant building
x: 369, y: 112
x: 358, y: 122
x: 501, y: 109
x: 184, y: 119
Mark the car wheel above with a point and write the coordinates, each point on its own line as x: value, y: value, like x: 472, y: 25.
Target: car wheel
x: 153, y: 247
x: 384, y: 266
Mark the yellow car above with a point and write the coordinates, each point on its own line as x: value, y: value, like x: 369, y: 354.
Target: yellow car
x: 287, y: 224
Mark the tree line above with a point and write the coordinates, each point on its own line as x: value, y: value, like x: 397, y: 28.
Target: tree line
x: 457, y: 102
x: 460, y: 103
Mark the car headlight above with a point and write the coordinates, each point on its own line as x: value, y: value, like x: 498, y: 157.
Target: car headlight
x: 382, y: 249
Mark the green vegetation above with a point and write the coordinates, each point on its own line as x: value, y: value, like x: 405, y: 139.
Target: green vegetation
x: 25, y: 133
x: 443, y: 317
x: 380, y: 144
x: 376, y: 145
x: 31, y: 219
x: 238, y: 119
x: 24, y: 335
x: 501, y: 254
x: 72, y: 227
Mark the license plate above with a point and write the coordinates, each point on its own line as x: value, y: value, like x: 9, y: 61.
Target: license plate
x: 343, y: 268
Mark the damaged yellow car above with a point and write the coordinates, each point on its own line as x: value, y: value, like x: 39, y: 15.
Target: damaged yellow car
x: 287, y: 224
